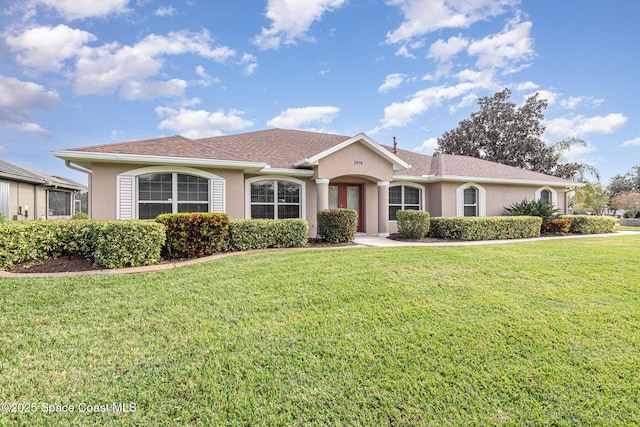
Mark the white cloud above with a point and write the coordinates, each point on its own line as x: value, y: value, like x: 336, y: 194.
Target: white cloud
x: 503, y: 50
x: 581, y: 125
x: 165, y: 11
x: 205, y: 79
x: 428, y: 146
x: 250, y: 63
x: 296, y: 117
x: 17, y: 98
x: 443, y: 51
x: 45, y: 48
x: 200, y: 123
x: 104, y: 69
x: 392, y: 81
x: 525, y: 86
x: 26, y: 127
x: 74, y: 9
x: 424, y: 16
x: 290, y: 21
x: 133, y: 90
x: 572, y: 102
x: 549, y: 95
x: 631, y: 143
x: 404, y: 52
x: 400, y: 114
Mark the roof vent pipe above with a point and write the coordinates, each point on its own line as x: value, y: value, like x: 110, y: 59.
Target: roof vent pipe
x: 395, y: 145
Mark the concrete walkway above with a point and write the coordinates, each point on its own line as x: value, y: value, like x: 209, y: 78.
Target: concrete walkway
x: 384, y: 242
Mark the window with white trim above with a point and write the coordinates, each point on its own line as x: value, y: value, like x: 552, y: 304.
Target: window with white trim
x: 160, y: 193
x: 547, y: 194
x: 470, y: 201
x: 275, y: 199
x: 403, y: 197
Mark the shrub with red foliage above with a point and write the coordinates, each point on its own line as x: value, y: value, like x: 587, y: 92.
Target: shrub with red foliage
x: 193, y: 235
x: 556, y: 226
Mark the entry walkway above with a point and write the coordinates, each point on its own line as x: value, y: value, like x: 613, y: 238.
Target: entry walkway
x: 375, y: 241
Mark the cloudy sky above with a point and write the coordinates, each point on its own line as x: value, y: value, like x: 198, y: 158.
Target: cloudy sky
x: 76, y: 73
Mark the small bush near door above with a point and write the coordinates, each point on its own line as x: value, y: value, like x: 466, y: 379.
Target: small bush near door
x: 413, y: 224
x: 337, y: 225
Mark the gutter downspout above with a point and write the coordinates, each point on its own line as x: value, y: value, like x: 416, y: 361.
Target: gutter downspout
x: 68, y: 164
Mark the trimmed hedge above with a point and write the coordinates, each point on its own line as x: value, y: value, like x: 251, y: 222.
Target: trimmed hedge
x: 485, y: 228
x: 591, y: 224
x: 556, y: 226
x: 412, y: 224
x: 337, y: 225
x: 248, y: 234
x: 192, y: 235
x: 111, y: 244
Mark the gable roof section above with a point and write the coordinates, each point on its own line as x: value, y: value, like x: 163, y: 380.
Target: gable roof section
x: 397, y: 162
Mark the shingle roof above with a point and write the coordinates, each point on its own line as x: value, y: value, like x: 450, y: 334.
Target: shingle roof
x: 34, y: 176
x: 464, y: 166
x: 281, y: 148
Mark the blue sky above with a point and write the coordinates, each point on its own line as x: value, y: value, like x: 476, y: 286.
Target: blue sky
x: 76, y: 73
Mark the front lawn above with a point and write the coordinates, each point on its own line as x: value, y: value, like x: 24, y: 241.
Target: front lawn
x: 537, y: 333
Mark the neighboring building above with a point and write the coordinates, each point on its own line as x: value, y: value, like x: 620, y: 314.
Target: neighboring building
x: 29, y: 194
x: 293, y: 174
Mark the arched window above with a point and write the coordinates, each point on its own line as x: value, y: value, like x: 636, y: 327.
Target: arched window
x: 547, y: 194
x: 275, y: 198
x: 471, y: 200
x: 404, y: 197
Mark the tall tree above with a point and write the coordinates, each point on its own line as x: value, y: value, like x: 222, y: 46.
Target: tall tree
x: 591, y: 198
x: 630, y: 181
x: 504, y: 133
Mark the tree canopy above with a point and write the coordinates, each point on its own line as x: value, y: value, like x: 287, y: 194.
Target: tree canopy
x: 504, y: 133
x: 630, y: 181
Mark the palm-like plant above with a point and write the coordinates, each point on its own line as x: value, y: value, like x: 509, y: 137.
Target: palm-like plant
x: 540, y: 208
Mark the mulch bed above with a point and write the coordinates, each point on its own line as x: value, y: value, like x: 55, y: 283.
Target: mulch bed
x: 73, y: 263
x: 396, y: 236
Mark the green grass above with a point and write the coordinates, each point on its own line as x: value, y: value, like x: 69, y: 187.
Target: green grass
x: 537, y: 333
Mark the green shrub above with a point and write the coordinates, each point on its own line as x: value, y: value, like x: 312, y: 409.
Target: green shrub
x: 540, y: 208
x: 249, y: 234
x: 130, y: 243
x: 337, y: 225
x: 192, y: 235
x: 80, y: 215
x: 485, y: 228
x: 109, y: 243
x: 591, y: 224
x: 556, y: 226
x: 413, y: 224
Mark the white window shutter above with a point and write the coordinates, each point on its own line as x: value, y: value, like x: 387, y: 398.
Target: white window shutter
x: 482, y: 202
x: 460, y: 201
x: 126, y: 198
x: 217, y: 196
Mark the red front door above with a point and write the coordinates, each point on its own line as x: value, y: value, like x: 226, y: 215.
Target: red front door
x: 349, y: 196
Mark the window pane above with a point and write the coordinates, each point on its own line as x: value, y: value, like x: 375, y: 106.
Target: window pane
x: 412, y: 207
x: 193, y: 188
x: 152, y: 210
x: 59, y: 203
x: 193, y: 207
x: 395, y: 195
x: 333, y: 196
x: 411, y: 196
x: 262, y: 211
x: 262, y: 192
x: 288, y: 211
x: 288, y: 192
x: 470, y: 211
x: 469, y: 196
x: 392, y: 212
x: 545, y: 196
x: 155, y: 186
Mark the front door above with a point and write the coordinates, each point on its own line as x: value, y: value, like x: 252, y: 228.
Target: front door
x: 349, y: 196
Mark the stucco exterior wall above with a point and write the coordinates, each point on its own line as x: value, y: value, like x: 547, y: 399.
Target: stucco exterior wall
x: 355, y: 160
x: 103, y: 187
